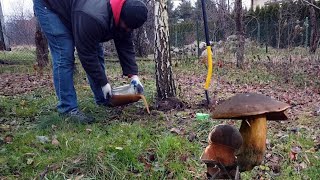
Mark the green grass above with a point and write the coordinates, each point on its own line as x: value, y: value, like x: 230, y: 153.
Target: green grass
x: 21, y: 56
x: 106, y: 151
x: 127, y: 143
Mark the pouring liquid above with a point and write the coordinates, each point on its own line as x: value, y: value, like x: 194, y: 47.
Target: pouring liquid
x: 125, y: 95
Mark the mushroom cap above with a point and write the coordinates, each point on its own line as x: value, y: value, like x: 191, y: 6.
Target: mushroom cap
x: 226, y: 135
x: 242, y: 106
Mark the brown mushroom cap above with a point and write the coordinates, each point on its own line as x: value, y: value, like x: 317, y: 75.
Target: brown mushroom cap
x: 241, y: 106
x: 224, y: 140
x: 226, y: 135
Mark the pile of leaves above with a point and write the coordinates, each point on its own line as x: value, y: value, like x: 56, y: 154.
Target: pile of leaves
x: 12, y: 84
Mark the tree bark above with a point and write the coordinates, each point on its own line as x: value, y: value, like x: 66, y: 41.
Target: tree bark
x: 240, y: 33
x: 141, y: 42
x: 41, y: 50
x: 164, y: 76
x: 314, y: 28
x: 4, y: 44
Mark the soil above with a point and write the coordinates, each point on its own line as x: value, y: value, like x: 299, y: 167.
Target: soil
x: 170, y: 104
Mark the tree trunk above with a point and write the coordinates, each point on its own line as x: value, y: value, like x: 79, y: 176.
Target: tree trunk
x: 4, y: 44
x: 314, y: 29
x: 164, y: 76
x: 141, y: 42
x: 240, y: 33
x: 41, y: 50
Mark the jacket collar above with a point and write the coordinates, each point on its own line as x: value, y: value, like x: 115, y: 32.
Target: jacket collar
x: 116, y: 6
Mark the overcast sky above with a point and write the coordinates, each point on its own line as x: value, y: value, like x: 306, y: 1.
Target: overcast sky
x: 11, y: 7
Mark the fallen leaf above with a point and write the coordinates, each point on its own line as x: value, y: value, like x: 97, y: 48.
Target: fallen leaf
x: 151, y: 157
x: 170, y: 175
x: 312, y: 150
x: 77, y: 160
x: 275, y: 167
x: 184, y: 157
x: 88, y: 130
x: 176, y: 131
x: 53, y: 127
x: 30, y: 154
x: 294, y: 153
x: 275, y: 159
x: 147, y: 165
x: 79, y: 177
x: 8, y: 139
x: 4, y: 128
x: 307, y: 159
x: 268, y: 155
x: 23, y: 103
x: 119, y: 148
x: 55, y: 142
x: 29, y: 161
x: 192, y: 136
x: 303, y: 165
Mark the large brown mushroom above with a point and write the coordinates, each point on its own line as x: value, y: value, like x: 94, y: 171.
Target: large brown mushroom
x: 223, y: 140
x: 254, y: 110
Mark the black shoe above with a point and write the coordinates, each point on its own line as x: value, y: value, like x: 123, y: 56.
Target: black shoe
x: 79, y: 117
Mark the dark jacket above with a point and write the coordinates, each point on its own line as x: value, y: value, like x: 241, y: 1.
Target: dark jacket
x: 91, y: 22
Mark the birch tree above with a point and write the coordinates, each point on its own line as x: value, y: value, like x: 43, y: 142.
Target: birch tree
x: 164, y: 76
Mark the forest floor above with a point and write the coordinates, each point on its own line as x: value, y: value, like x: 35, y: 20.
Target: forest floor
x: 128, y: 143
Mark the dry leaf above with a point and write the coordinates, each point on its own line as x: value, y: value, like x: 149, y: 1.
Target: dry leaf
x: 312, y: 150
x: 176, y: 131
x: 192, y: 136
x: 29, y: 161
x: 55, y: 142
x: 8, y: 139
x: 79, y: 177
x: 76, y: 161
x: 294, y: 153
x: 268, y: 155
x: 53, y: 127
x: 119, y: 148
x: 4, y: 128
x: 303, y: 165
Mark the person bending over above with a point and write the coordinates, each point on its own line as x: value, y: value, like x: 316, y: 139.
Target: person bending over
x: 85, y: 25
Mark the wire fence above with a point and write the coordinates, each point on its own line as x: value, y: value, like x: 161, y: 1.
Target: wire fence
x: 187, y: 39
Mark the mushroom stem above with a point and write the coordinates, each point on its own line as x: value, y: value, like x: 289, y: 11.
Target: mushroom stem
x: 254, y: 137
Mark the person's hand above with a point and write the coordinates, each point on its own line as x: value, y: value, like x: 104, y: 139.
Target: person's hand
x: 135, y: 82
x: 107, y: 92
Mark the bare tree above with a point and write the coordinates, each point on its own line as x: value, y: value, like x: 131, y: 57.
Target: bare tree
x: 20, y: 25
x: 143, y: 36
x: 141, y: 42
x: 314, y: 28
x: 164, y: 76
x: 4, y: 44
x: 240, y: 33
